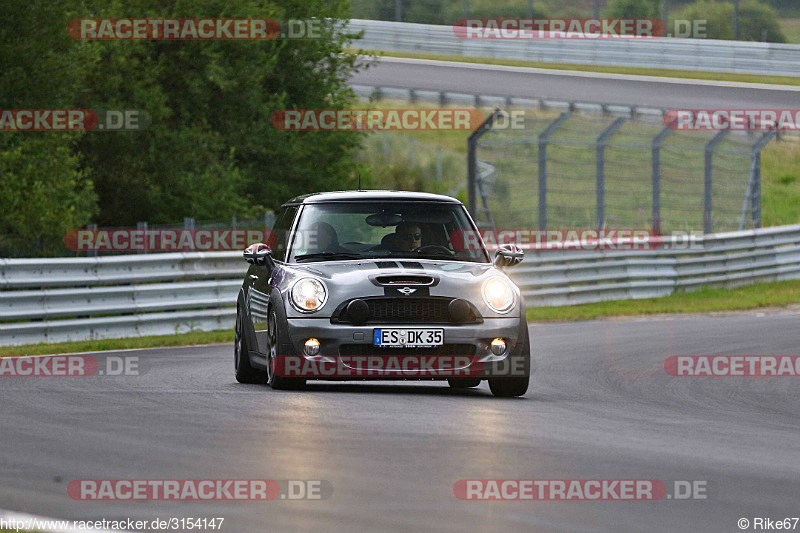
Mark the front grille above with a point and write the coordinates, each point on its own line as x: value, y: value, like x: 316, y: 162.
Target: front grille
x: 444, y: 349
x: 404, y: 311
x: 410, y: 310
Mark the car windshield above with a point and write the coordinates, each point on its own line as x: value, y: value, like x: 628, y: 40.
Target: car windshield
x: 360, y: 230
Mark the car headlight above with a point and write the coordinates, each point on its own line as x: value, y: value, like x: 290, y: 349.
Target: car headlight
x: 498, y: 294
x: 309, y: 294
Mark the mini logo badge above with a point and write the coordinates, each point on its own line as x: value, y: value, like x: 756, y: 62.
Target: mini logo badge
x: 406, y: 291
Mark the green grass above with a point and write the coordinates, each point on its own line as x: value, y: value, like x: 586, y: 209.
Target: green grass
x: 707, y: 299
x: 780, y: 183
x: 183, y: 339
x: 791, y: 29
x: 638, y: 71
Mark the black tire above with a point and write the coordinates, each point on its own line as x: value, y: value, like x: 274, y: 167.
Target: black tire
x: 463, y: 383
x: 244, y: 372
x: 509, y: 387
x: 514, y: 386
x: 273, y: 342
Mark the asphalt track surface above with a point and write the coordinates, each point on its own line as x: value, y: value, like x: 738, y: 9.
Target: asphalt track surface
x: 575, y: 86
x: 600, y: 406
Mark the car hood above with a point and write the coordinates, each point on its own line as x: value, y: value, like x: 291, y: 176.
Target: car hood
x: 353, y: 279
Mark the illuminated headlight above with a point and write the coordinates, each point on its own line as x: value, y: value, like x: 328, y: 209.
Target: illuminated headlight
x: 498, y: 295
x: 309, y: 294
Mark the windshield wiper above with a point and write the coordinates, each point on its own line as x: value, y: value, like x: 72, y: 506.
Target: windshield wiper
x: 328, y: 255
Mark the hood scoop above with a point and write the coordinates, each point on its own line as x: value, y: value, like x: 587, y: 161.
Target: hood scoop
x: 405, y: 279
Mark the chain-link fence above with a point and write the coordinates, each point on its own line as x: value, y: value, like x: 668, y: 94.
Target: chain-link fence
x: 581, y: 170
x: 405, y: 163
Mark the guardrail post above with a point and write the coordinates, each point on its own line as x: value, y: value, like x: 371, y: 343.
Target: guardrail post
x: 472, y: 159
x: 142, y: 226
x: 92, y: 227
x: 657, y: 142
x: 602, y: 140
x: 544, y: 138
x: 707, y: 197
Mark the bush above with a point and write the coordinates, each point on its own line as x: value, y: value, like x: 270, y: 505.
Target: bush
x: 755, y: 18
x: 633, y: 9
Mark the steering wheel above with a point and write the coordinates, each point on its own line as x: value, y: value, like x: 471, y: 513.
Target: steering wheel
x: 433, y: 248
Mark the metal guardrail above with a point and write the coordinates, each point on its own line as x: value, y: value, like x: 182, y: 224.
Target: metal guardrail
x: 54, y: 300
x: 64, y: 299
x: 562, y: 277
x: 667, y: 53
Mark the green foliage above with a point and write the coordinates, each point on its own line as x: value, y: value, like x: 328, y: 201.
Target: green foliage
x: 633, y: 9
x: 755, y: 18
x: 43, y: 193
x: 210, y: 151
x: 444, y: 11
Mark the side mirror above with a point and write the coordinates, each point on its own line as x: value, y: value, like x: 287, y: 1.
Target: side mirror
x: 258, y: 254
x: 508, y: 255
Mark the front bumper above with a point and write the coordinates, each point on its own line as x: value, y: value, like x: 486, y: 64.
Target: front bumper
x: 346, y: 352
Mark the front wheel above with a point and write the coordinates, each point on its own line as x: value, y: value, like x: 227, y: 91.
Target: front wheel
x: 244, y: 371
x: 509, y: 387
x: 463, y: 383
x: 273, y: 340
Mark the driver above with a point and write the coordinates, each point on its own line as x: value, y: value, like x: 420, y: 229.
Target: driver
x: 407, y: 237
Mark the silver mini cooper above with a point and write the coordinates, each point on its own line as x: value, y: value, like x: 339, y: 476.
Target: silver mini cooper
x: 361, y: 285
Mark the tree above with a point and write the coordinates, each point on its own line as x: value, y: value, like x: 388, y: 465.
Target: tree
x: 43, y: 191
x: 633, y: 9
x: 211, y: 151
x: 755, y: 19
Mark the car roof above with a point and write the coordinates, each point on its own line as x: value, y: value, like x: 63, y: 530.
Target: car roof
x: 370, y: 196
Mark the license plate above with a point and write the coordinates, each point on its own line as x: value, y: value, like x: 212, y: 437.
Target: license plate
x: 408, y: 337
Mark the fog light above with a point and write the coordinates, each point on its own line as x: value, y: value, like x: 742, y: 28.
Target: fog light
x: 312, y: 347
x: 498, y: 346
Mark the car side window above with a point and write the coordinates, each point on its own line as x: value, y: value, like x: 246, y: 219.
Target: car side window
x: 281, y: 228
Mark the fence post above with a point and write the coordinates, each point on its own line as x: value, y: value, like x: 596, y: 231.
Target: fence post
x: 188, y: 223
x: 269, y: 219
x: 472, y: 159
x: 657, y: 142
x: 754, y: 184
x: 707, y: 196
x: 544, y: 138
x: 602, y: 140
x: 439, y: 151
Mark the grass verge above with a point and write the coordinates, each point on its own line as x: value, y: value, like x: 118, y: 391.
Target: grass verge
x: 708, y: 299
x: 183, y: 339
x: 636, y: 71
